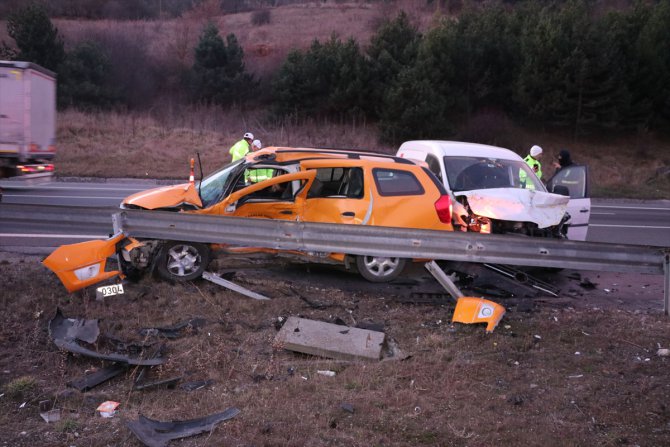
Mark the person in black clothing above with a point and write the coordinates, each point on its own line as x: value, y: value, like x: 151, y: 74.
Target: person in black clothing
x: 564, y: 160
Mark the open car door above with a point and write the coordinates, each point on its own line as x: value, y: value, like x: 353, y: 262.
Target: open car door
x: 281, y: 197
x: 573, y: 181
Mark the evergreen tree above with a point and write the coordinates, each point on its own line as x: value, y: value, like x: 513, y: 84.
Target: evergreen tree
x: 653, y: 49
x: 218, y: 74
x: 393, y: 48
x: 329, y: 79
x: 35, y: 36
x: 83, y: 79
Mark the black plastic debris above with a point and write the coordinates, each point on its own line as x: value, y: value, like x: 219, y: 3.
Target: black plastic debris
x: 176, y: 330
x: 70, y: 329
x: 102, y: 375
x: 154, y: 433
x: 163, y: 383
x: 195, y: 385
x: 65, y: 332
x: 587, y: 284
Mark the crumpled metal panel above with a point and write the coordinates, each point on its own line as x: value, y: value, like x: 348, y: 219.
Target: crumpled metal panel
x: 66, y: 331
x: 154, y: 433
x: 518, y: 205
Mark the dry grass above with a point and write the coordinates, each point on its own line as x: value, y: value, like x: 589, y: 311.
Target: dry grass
x: 160, y: 143
x: 138, y: 145
x: 459, y: 386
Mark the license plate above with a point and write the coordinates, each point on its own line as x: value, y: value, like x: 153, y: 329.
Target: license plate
x: 114, y: 289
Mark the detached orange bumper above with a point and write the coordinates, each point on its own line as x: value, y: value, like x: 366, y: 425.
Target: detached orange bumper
x: 471, y: 310
x: 83, y: 264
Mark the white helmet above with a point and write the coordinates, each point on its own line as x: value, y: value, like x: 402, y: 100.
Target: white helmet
x: 256, y: 143
x: 248, y: 136
x: 535, y: 151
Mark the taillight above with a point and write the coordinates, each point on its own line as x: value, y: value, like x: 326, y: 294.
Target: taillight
x: 443, y: 208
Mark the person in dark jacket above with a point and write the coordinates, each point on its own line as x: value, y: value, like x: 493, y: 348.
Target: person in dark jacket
x: 564, y: 160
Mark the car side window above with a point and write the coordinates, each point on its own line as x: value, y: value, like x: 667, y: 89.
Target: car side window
x: 574, y: 178
x: 434, y: 166
x: 393, y: 182
x: 337, y: 183
x: 279, y: 192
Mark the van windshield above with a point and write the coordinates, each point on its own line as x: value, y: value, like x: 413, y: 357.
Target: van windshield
x: 468, y: 173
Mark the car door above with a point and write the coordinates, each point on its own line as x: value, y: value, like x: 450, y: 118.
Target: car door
x: 573, y: 180
x: 281, y: 197
x: 339, y: 194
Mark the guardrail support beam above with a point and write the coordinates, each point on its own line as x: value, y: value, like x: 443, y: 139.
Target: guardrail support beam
x: 666, y: 284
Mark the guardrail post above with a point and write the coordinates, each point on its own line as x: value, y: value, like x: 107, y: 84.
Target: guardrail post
x: 666, y: 284
x: 116, y: 222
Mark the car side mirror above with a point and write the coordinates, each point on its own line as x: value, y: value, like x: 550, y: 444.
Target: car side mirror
x: 562, y: 190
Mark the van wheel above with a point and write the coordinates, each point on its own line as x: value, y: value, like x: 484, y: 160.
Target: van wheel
x: 182, y: 261
x: 380, y: 269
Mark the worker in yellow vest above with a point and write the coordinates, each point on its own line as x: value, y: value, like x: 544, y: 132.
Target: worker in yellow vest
x: 242, y: 147
x: 532, y: 160
x: 257, y: 175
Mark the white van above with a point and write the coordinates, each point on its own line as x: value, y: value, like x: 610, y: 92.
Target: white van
x: 494, y: 191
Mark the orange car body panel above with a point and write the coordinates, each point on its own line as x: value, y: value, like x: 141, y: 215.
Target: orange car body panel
x: 471, y: 310
x: 66, y: 260
x: 165, y: 197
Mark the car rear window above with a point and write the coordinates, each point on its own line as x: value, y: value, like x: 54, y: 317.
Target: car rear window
x: 393, y: 182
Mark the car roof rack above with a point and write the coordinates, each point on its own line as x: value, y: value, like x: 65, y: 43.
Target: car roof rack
x: 350, y: 153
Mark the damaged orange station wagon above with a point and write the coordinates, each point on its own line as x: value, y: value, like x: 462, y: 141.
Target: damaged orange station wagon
x: 301, y: 184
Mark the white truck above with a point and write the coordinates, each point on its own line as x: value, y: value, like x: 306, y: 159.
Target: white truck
x: 494, y: 191
x: 27, y: 119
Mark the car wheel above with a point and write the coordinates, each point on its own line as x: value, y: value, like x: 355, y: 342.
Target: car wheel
x: 380, y: 269
x: 182, y: 261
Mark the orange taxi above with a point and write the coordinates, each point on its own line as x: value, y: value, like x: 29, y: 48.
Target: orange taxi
x: 301, y: 184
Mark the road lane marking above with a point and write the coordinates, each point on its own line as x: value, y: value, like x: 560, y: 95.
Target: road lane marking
x: 630, y: 207
x: 53, y: 236
x: 630, y: 226
x: 110, y: 187
x: 35, y: 196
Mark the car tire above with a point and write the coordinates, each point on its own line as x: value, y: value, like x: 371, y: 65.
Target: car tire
x: 182, y: 261
x: 380, y: 269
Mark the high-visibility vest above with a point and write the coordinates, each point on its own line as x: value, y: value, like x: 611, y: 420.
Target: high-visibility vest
x: 239, y: 150
x: 258, y: 175
x: 536, y: 166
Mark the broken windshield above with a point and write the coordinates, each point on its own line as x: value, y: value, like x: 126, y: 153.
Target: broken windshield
x: 467, y: 173
x: 213, y: 186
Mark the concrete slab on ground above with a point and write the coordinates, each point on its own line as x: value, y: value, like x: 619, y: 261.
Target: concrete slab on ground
x: 330, y: 340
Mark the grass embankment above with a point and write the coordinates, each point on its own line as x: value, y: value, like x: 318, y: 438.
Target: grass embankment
x: 159, y: 145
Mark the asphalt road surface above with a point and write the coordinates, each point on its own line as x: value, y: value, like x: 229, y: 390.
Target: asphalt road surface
x: 617, y: 221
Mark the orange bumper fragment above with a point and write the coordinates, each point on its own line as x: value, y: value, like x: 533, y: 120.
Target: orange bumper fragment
x: 471, y: 310
x: 83, y: 264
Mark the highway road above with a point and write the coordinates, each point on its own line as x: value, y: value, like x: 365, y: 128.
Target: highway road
x: 617, y: 221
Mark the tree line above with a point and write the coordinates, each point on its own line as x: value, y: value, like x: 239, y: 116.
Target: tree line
x: 557, y: 63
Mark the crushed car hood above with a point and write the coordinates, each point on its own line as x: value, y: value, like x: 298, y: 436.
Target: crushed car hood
x: 518, y: 205
x: 165, y: 197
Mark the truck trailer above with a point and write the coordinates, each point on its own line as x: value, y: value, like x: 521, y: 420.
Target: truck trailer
x: 27, y: 119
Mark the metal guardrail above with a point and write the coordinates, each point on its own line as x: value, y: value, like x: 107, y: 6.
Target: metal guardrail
x: 316, y: 238
x: 387, y: 241
x: 50, y: 218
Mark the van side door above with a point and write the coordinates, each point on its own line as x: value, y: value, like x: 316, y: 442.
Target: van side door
x: 573, y: 180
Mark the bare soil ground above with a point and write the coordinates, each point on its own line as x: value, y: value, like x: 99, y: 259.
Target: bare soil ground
x: 580, y: 369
